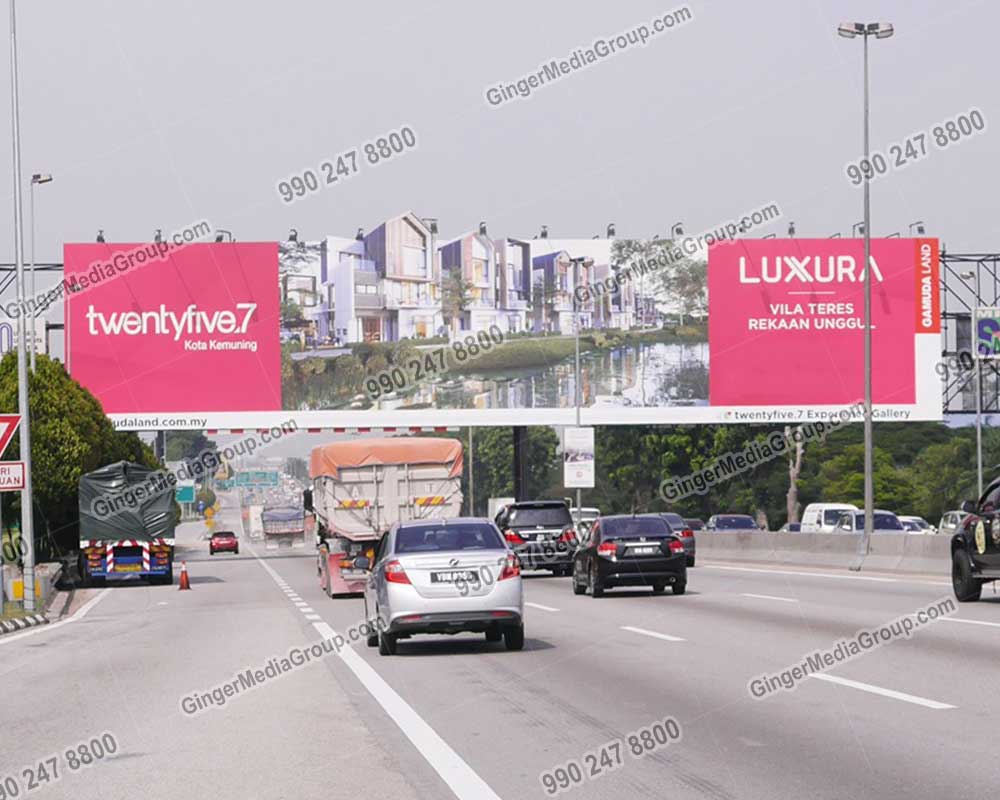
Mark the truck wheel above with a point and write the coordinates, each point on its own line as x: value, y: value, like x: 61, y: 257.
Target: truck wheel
x: 967, y: 588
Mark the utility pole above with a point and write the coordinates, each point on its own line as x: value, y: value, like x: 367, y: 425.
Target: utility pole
x: 27, y: 529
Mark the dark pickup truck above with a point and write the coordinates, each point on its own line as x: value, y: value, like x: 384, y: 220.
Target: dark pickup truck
x: 975, y: 546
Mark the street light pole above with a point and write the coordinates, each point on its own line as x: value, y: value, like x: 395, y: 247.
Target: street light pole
x: 577, y: 398
x: 869, y: 444
x: 38, y: 177
x: 880, y: 31
x: 27, y: 532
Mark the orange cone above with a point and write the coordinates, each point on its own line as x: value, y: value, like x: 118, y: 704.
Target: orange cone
x: 185, y: 581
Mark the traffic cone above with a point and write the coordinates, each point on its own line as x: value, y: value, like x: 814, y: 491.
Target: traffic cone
x: 185, y: 581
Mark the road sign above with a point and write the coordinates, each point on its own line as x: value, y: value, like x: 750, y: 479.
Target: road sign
x: 578, y: 458
x: 11, y: 476
x: 257, y: 478
x: 184, y: 492
x: 8, y: 425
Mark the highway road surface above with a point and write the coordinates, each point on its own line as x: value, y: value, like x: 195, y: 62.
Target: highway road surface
x: 457, y: 717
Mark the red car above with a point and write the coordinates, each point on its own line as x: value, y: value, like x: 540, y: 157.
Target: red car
x: 223, y: 541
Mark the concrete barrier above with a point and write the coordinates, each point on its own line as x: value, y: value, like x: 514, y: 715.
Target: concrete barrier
x: 892, y: 552
x: 46, y: 576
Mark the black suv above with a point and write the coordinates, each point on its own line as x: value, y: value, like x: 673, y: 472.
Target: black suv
x: 541, y: 533
x: 975, y: 546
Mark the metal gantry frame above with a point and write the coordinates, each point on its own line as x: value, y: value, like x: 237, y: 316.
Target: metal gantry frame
x: 959, y: 299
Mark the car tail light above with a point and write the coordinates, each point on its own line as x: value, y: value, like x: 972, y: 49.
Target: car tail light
x: 607, y: 549
x: 687, y: 533
x: 394, y: 573
x: 568, y: 535
x: 676, y: 547
x: 511, y: 567
x: 512, y: 537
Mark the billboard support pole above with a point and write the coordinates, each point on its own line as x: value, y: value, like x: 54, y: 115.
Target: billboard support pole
x: 979, y: 403
x: 27, y: 529
x: 520, y: 462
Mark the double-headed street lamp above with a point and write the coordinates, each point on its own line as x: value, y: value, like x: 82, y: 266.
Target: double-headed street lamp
x: 37, y: 178
x: 880, y: 30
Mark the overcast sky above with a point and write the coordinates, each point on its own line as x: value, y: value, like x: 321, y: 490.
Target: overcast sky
x: 154, y: 115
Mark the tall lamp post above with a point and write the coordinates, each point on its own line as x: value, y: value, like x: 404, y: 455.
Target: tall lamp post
x: 970, y: 276
x: 38, y: 177
x: 880, y: 30
x: 27, y: 532
x: 577, y: 262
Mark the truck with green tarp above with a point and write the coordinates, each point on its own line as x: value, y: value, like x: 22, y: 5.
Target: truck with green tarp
x: 126, y: 524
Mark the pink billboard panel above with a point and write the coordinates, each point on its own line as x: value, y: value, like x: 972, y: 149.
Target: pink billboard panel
x: 786, y: 325
x: 193, y: 330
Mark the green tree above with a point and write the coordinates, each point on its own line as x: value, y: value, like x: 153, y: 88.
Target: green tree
x: 70, y: 435
x: 843, y: 479
x: 943, y: 476
x: 456, y: 297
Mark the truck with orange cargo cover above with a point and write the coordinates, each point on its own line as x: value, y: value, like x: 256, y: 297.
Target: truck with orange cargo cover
x: 362, y: 487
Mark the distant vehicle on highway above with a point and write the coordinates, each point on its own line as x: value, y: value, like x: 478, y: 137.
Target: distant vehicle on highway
x: 223, y: 542
x: 882, y: 522
x: 791, y: 527
x: 678, y: 525
x: 695, y: 524
x: 951, y: 522
x: 975, y: 545
x: 731, y: 523
x: 824, y: 517
x: 363, y: 487
x: 916, y: 525
x: 541, y: 533
x: 443, y: 576
x: 638, y: 550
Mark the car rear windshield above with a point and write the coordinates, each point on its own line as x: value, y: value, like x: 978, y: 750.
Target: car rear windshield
x: 546, y: 516
x: 634, y: 527
x: 735, y: 521
x: 222, y: 534
x: 438, y: 538
x: 695, y: 524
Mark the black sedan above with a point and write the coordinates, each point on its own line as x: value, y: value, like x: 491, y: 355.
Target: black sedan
x: 638, y: 550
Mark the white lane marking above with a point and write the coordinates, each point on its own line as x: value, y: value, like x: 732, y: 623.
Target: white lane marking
x: 867, y: 687
x: 80, y: 614
x: 307, y: 610
x: 769, y: 597
x: 313, y: 616
x: 300, y: 603
x: 971, y: 621
x: 540, y: 606
x: 806, y: 574
x: 463, y: 781
x: 644, y: 632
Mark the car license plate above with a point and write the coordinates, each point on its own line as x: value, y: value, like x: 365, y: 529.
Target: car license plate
x: 454, y: 576
x: 643, y: 551
x: 128, y: 568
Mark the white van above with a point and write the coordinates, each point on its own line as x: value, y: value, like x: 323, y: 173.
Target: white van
x: 823, y: 517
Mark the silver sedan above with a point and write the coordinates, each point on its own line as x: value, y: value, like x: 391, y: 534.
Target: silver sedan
x: 443, y: 576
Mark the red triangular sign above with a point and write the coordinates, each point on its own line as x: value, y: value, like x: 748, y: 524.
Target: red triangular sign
x: 8, y: 426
